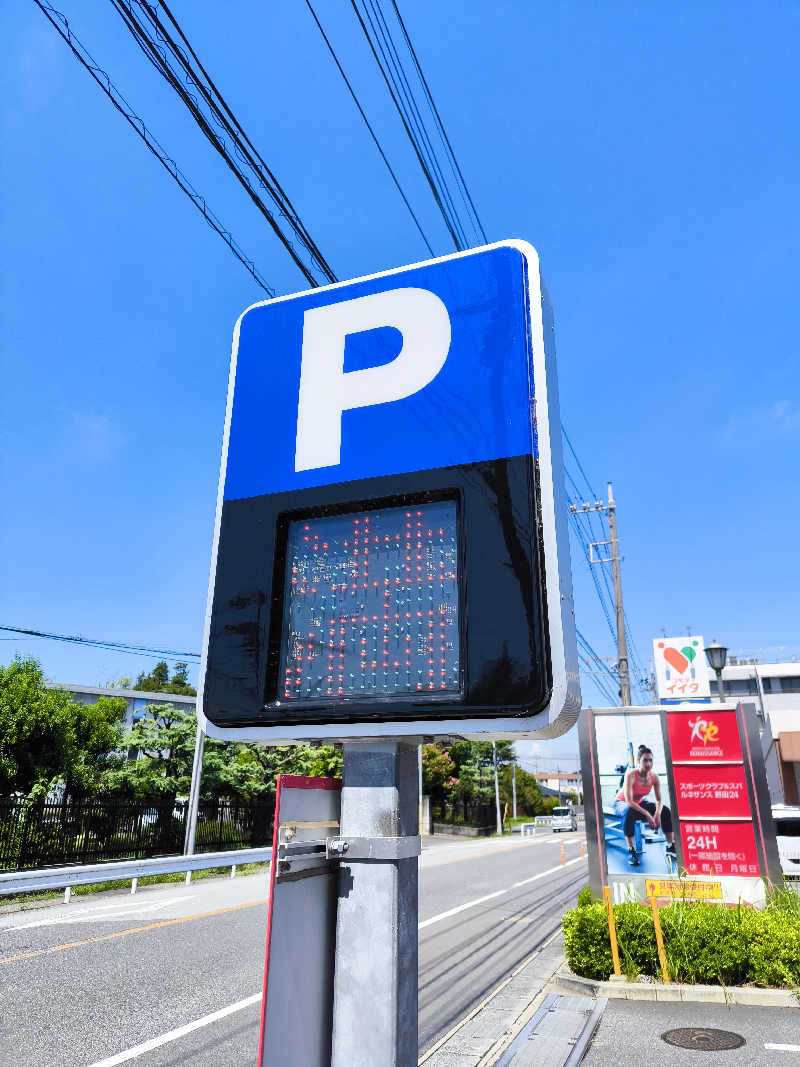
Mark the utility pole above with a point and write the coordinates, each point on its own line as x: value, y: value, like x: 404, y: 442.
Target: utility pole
x: 496, y: 790
x: 194, y: 793
x: 623, y: 669
x: 622, y: 643
x: 514, y: 789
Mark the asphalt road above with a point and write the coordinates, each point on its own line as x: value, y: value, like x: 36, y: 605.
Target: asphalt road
x: 87, y: 984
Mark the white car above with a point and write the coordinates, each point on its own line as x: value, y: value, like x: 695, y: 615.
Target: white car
x: 787, y: 834
x: 564, y: 819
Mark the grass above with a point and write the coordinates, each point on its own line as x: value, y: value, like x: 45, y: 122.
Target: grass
x: 33, y: 899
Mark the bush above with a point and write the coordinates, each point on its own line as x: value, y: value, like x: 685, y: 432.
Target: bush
x: 586, y: 941
x: 704, y: 943
x: 775, y: 951
x: 584, y: 897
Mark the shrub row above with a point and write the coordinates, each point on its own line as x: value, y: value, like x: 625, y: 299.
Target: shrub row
x: 703, y: 943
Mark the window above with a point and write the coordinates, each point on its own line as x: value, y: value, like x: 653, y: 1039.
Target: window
x: 782, y: 685
x: 740, y: 687
x: 371, y: 605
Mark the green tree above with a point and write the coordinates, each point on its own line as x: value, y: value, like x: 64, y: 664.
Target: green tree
x: 159, y: 680
x: 529, y: 795
x: 47, y: 737
x: 438, y: 772
x: 162, y: 741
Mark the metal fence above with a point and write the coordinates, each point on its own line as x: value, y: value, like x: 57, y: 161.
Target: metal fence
x: 56, y: 834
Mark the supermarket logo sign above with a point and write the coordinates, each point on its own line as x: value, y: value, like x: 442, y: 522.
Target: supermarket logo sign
x: 681, y: 672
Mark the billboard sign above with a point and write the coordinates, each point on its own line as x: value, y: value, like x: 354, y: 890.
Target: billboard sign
x: 677, y: 803
x: 680, y: 668
x: 390, y: 554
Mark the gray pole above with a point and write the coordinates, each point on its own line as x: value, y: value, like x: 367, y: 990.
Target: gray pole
x: 419, y: 814
x: 375, y: 982
x: 720, y: 686
x: 622, y: 644
x: 194, y: 793
x: 496, y: 790
x: 514, y: 789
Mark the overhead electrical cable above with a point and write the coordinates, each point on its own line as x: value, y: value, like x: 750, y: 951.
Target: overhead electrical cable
x: 394, y: 64
x: 62, y: 26
x: 405, y: 121
x: 177, y: 69
x: 367, y: 123
x: 443, y: 132
x: 116, y: 646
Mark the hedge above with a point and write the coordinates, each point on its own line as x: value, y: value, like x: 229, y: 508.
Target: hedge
x: 705, y: 943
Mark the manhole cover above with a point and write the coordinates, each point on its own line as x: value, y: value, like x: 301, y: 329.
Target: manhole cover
x: 703, y: 1038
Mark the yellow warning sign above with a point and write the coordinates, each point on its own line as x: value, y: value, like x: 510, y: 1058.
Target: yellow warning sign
x: 683, y: 889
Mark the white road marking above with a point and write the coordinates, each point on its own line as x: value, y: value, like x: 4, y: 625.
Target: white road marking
x: 101, y: 913
x: 461, y: 907
x: 173, y: 1035
x: 543, y: 874
x: 499, y: 893
x: 782, y: 1048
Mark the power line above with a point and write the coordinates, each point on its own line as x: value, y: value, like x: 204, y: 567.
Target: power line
x: 115, y: 646
x: 62, y: 26
x: 374, y: 46
x: 372, y: 133
x: 432, y: 104
x: 181, y: 75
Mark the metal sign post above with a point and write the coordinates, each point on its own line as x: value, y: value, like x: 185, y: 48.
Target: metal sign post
x: 375, y: 984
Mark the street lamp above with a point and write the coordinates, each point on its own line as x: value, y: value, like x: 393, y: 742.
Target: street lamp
x: 717, y: 656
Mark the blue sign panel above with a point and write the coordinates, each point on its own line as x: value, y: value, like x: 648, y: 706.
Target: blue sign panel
x: 427, y: 367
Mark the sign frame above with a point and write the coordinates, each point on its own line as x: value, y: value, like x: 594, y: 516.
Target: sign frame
x: 559, y: 626
x: 725, y: 887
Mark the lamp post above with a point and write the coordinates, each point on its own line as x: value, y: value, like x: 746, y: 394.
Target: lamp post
x: 717, y: 656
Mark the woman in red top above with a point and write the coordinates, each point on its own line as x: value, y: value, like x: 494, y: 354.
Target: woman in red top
x: 639, y: 781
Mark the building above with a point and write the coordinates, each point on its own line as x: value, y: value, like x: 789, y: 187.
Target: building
x: 135, y: 700
x: 774, y: 691
x: 552, y: 783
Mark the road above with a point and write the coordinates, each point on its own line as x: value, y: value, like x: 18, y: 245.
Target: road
x: 172, y: 976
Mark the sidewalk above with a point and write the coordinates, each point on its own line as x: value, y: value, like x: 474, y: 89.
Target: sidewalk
x: 480, y: 1039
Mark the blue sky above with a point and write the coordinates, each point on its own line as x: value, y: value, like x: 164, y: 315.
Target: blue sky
x: 649, y: 153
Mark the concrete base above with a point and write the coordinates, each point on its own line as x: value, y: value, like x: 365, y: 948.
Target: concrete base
x: 702, y: 994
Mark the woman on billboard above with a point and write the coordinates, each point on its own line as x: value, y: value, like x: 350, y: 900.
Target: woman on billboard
x: 639, y: 782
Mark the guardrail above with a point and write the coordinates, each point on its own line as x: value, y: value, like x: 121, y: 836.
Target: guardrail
x: 126, y: 870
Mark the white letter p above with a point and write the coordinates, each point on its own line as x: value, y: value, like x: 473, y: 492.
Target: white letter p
x: 326, y: 390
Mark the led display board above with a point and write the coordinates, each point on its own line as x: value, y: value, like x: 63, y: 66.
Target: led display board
x: 390, y: 553
x: 371, y: 605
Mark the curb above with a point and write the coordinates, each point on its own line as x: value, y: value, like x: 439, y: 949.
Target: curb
x: 620, y: 989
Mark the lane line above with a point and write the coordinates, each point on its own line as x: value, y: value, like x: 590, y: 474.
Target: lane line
x: 499, y: 893
x: 173, y: 1035
x: 782, y: 1048
x: 461, y: 907
x: 536, y: 877
x: 124, y: 933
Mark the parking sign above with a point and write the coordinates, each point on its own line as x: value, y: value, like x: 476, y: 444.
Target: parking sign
x: 390, y: 553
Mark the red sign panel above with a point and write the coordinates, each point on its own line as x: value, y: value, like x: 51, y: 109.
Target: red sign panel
x: 703, y: 734
x: 721, y: 848
x: 711, y: 791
